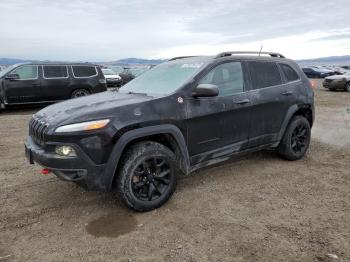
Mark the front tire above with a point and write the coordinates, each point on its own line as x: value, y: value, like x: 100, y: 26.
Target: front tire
x: 148, y: 175
x: 296, y: 139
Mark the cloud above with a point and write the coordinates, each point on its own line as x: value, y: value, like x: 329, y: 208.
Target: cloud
x: 108, y: 30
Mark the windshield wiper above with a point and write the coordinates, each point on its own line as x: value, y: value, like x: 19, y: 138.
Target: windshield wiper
x: 134, y: 93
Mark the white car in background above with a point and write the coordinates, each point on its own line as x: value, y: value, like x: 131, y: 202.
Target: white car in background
x: 112, y: 78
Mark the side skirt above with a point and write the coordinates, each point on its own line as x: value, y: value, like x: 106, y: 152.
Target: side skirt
x: 211, y: 159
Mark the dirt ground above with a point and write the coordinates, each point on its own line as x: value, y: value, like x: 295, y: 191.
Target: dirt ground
x: 256, y: 208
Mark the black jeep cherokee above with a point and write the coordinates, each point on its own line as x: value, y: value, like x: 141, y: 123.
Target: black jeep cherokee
x: 184, y: 114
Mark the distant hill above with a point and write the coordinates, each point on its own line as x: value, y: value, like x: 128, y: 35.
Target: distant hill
x: 337, y: 60
x: 331, y: 60
x: 139, y: 61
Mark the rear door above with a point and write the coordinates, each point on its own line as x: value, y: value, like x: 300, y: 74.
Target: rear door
x: 269, y: 102
x: 217, y: 123
x: 55, y: 82
x: 25, y: 89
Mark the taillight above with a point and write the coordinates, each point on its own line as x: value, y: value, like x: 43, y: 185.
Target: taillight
x: 313, y: 84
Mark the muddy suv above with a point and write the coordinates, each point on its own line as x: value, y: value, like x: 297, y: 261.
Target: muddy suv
x: 184, y: 114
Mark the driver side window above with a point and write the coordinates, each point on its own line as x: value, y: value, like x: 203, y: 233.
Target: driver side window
x: 228, y: 77
x: 26, y: 72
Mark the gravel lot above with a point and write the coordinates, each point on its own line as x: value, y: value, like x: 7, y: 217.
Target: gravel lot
x: 256, y: 208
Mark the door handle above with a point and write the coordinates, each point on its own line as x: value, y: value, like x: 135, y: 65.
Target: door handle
x: 242, y: 102
x: 35, y: 84
x: 288, y: 93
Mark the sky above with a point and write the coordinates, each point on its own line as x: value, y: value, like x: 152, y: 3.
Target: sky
x: 109, y: 30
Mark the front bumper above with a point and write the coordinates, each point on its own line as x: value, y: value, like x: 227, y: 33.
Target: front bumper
x: 114, y: 82
x: 334, y: 84
x: 80, y: 169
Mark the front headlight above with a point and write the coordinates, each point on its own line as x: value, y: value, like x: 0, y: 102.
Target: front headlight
x: 84, y: 126
x: 65, y: 151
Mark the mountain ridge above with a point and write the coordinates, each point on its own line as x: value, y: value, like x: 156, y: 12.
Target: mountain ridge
x: 339, y: 60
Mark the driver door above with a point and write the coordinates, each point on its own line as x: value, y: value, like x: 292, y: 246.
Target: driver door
x: 219, y: 125
x: 25, y: 88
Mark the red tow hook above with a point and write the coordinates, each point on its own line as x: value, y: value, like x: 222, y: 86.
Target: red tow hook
x: 45, y: 171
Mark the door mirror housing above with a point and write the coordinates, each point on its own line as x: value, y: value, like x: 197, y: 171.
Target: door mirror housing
x: 205, y: 90
x: 12, y: 77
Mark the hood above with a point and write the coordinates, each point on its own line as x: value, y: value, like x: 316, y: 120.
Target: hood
x: 335, y: 77
x: 92, y: 107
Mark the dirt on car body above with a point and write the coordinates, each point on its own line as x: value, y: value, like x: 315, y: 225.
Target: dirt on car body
x: 255, y: 208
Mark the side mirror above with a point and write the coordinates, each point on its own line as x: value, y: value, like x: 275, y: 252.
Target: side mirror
x: 12, y: 77
x: 205, y: 90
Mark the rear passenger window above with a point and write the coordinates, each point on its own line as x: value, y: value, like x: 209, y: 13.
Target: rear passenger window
x: 228, y: 77
x: 264, y: 74
x: 55, y: 71
x: 289, y: 73
x: 84, y: 71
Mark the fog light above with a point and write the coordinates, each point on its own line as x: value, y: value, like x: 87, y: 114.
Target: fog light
x: 65, y: 151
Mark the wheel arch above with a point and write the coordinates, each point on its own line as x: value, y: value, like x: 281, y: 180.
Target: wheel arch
x: 167, y: 134
x: 305, y: 110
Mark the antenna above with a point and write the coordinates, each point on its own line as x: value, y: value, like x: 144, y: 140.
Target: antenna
x: 261, y: 49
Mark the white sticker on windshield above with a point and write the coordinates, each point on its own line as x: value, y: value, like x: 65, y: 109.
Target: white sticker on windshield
x: 193, y: 65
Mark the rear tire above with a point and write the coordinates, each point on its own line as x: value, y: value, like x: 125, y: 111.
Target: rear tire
x: 296, y: 139
x: 147, y: 177
x: 80, y: 93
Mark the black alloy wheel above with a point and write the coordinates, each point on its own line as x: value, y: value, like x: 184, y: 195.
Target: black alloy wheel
x: 296, y: 139
x: 151, y: 179
x: 147, y: 176
x: 299, y: 139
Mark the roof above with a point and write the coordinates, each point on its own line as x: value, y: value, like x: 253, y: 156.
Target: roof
x: 239, y: 55
x: 58, y: 63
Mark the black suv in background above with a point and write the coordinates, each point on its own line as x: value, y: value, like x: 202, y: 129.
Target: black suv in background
x: 181, y: 115
x: 312, y: 72
x: 49, y: 82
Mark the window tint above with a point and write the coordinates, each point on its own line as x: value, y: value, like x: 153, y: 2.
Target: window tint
x: 26, y: 72
x: 55, y: 71
x: 228, y: 77
x: 84, y: 71
x: 289, y: 73
x: 264, y: 74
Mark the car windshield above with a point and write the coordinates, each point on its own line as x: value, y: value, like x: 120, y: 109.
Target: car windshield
x: 107, y: 71
x: 165, y: 78
x: 138, y: 71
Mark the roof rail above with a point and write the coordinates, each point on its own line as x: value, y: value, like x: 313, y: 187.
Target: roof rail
x: 223, y: 54
x: 180, y: 57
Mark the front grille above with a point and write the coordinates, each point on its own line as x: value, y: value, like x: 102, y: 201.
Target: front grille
x: 37, y: 130
x: 328, y: 80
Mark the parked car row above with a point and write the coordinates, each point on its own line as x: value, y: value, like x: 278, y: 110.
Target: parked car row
x: 325, y: 71
x: 116, y: 76
x: 29, y: 83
